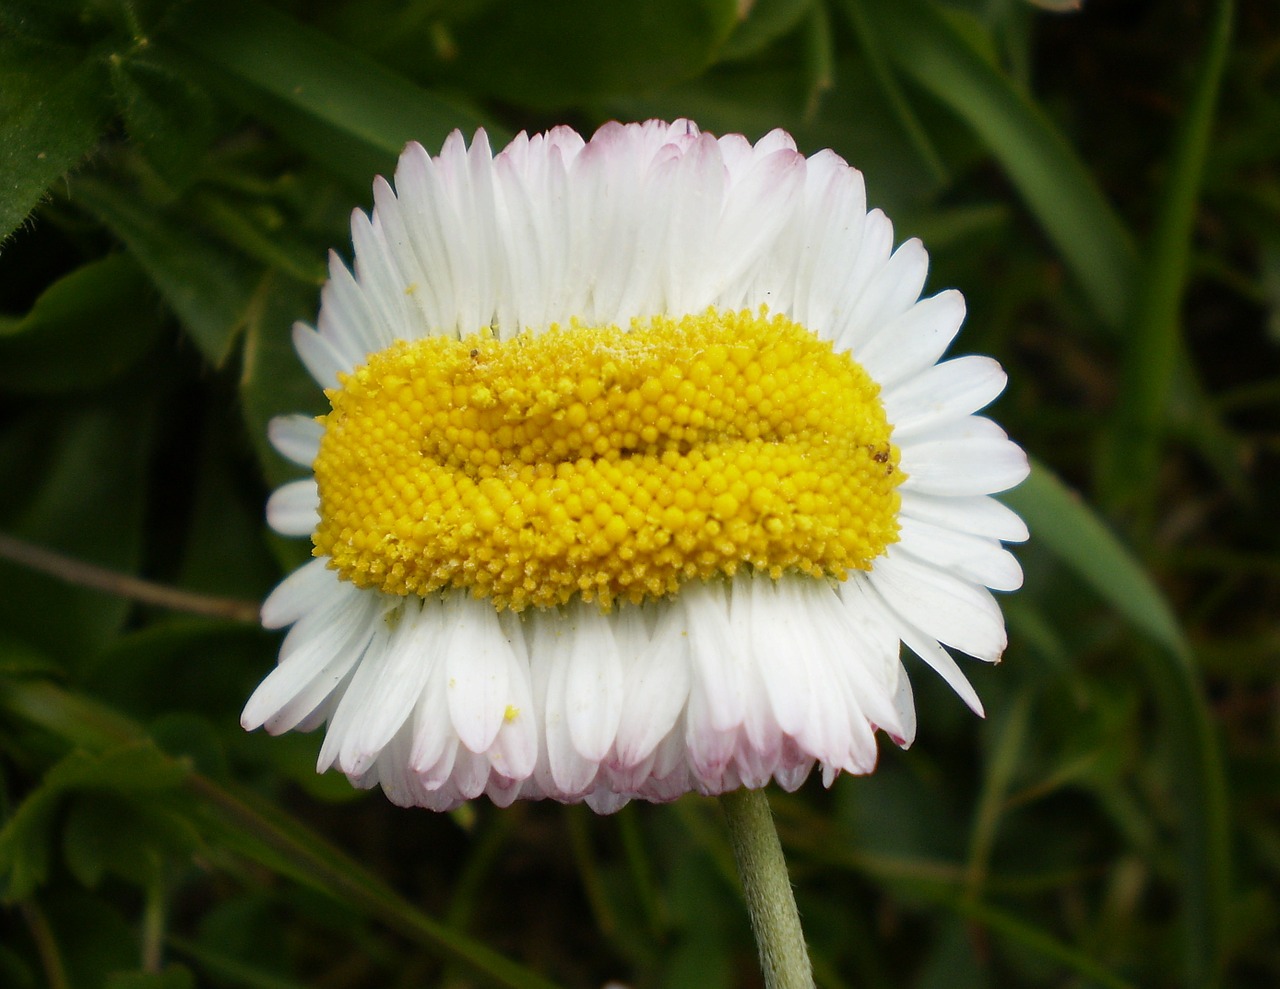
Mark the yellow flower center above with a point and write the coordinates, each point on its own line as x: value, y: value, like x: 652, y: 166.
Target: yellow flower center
x: 608, y: 463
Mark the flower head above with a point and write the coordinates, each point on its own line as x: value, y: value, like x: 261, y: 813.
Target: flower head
x: 639, y: 470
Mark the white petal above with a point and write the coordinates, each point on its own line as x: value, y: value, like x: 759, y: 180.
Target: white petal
x: 569, y: 772
x: 786, y: 678
x: 906, y: 707
x: 887, y: 296
x: 709, y: 749
x: 515, y: 751
x: 848, y: 697
x: 829, y: 242
x: 470, y: 774
x: 979, y: 515
x: 351, y: 318
x: 760, y: 727
x: 697, y: 195
x: 391, y: 696
x: 293, y: 508
x: 314, y: 668
x: 477, y: 669
x: 606, y: 217
x: 760, y: 202
x: 603, y: 801
x: 428, y: 218
x: 717, y: 655
x: 971, y: 457
x: 383, y: 283
x: 312, y: 585
x: 875, y: 247
x: 931, y: 651
x: 972, y: 558
x: 504, y: 791
x: 944, y: 392
x: 656, y: 687
x: 321, y: 359
x: 352, y: 710
x: 951, y: 610
x: 593, y: 680
x: 296, y: 437
x: 913, y: 341
x: 435, y: 743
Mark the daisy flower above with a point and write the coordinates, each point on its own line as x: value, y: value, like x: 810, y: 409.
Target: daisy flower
x: 641, y: 466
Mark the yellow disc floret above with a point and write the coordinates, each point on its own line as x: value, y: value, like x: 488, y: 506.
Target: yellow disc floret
x: 607, y: 463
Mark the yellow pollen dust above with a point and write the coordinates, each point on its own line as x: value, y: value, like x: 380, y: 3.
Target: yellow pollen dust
x: 607, y: 463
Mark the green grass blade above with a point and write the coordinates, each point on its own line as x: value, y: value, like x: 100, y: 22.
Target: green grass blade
x: 942, y: 883
x: 877, y: 57
x: 272, y: 838
x: 1014, y: 929
x: 347, y: 111
x: 1056, y: 186
x: 1061, y: 521
x: 1054, y: 183
x: 1154, y: 336
x: 1006, y: 751
x: 1198, y: 781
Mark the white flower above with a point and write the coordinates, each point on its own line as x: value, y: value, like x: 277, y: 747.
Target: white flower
x: 517, y: 594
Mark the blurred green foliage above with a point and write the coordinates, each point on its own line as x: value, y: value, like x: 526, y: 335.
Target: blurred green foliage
x: 1104, y: 185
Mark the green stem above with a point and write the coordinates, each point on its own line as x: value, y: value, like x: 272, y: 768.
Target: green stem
x: 153, y: 922
x: 55, y: 972
x: 767, y: 887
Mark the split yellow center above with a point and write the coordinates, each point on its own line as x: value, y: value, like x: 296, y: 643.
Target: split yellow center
x: 607, y: 463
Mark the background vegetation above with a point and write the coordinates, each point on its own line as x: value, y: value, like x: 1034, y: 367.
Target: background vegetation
x: 1102, y: 184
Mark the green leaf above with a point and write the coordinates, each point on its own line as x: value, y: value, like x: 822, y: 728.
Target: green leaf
x: 575, y: 51
x: 224, y: 553
x: 90, y: 934
x: 230, y: 657
x: 207, y: 286
x: 261, y: 233
x: 133, y: 767
x: 242, y: 824
x: 215, y: 959
x: 84, y: 329
x: 1057, y: 187
x: 73, y: 718
x: 136, y: 767
x: 169, y: 118
x: 80, y: 496
x: 107, y: 835
x: 53, y: 109
x: 348, y: 112
x: 274, y: 381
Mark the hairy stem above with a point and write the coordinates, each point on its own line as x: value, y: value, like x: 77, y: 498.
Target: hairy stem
x: 767, y: 888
